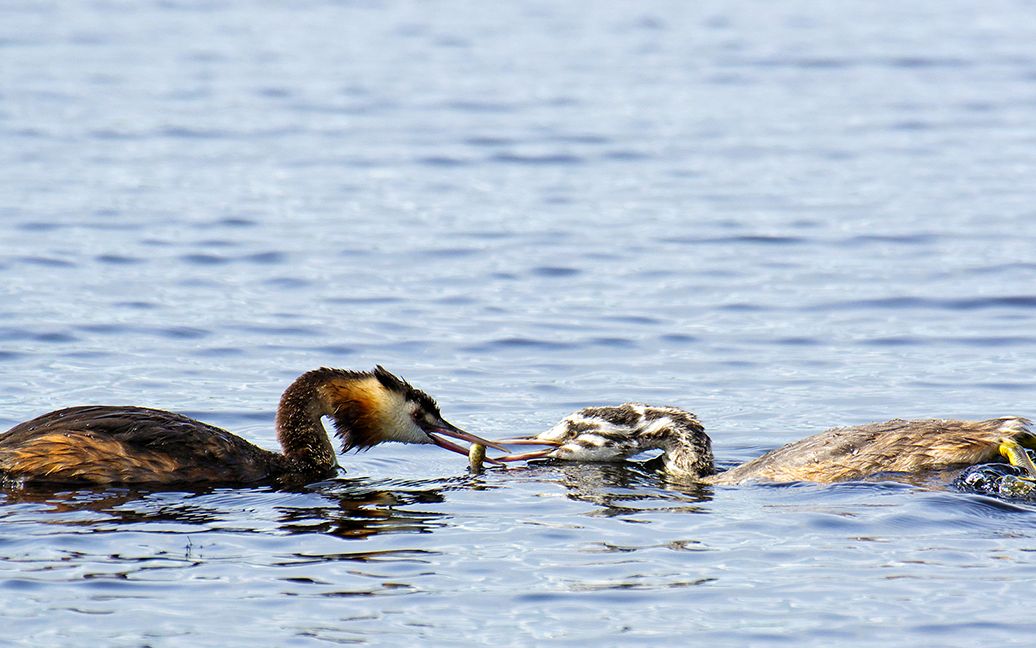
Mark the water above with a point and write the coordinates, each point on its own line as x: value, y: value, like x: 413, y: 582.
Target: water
x: 781, y: 216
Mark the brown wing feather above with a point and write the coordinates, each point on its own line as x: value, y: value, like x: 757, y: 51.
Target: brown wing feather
x: 103, y: 444
x: 893, y: 446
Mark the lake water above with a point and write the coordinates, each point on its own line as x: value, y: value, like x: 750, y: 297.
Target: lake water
x: 782, y: 216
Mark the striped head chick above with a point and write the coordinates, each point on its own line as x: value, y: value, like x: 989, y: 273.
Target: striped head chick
x: 619, y: 432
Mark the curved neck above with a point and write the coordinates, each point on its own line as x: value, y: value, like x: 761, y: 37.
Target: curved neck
x: 299, y: 430
x: 689, y: 453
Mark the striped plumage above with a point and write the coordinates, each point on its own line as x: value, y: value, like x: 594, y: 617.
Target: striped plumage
x: 618, y: 432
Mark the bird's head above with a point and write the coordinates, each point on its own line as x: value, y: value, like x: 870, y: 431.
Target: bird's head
x: 618, y: 432
x: 374, y: 407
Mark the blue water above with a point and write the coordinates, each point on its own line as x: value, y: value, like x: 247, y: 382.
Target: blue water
x: 781, y: 216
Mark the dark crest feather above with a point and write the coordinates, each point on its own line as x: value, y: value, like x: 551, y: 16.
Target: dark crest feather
x: 397, y: 384
x: 354, y: 425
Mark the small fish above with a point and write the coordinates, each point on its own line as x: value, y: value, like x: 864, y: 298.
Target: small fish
x: 476, y: 457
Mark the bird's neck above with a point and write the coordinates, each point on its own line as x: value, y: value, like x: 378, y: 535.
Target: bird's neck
x: 690, y: 457
x: 299, y: 428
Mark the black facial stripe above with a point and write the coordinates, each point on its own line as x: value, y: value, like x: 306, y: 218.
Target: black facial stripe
x: 620, y: 415
x: 612, y: 435
x: 426, y: 403
x: 578, y: 427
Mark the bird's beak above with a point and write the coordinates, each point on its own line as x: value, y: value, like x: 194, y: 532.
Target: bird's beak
x: 445, y: 429
x: 526, y: 456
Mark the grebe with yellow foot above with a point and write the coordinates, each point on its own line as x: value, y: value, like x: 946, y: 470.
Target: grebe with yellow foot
x: 839, y: 454
x: 125, y: 445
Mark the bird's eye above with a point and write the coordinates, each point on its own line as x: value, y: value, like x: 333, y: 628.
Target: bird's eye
x: 424, y: 415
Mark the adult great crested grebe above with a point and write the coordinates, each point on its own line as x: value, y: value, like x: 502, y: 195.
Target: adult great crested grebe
x: 839, y: 454
x: 113, y: 444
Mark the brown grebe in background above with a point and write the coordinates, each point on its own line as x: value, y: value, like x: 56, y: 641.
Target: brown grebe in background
x: 111, y: 444
x: 839, y: 454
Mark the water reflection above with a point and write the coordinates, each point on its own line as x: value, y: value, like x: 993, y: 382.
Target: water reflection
x: 358, y: 508
x: 345, y: 508
x: 622, y: 489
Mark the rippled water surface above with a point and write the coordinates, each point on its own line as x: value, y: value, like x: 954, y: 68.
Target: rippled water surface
x: 782, y: 216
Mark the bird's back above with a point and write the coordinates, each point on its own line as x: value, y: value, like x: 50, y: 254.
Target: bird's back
x: 115, y: 444
x: 893, y: 446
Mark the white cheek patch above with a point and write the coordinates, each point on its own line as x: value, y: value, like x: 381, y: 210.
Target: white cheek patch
x: 557, y: 433
x: 593, y: 439
x: 399, y: 422
x: 615, y: 434
x: 592, y: 447
x: 409, y: 432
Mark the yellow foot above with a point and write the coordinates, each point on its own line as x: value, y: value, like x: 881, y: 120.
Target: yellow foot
x: 1015, y: 453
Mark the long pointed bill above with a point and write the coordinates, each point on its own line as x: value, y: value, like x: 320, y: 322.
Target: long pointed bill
x: 529, y: 441
x: 453, y: 447
x: 447, y: 430
x: 525, y: 456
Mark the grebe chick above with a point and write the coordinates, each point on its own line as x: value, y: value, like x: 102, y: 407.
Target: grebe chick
x: 839, y: 454
x: 113, y: 444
